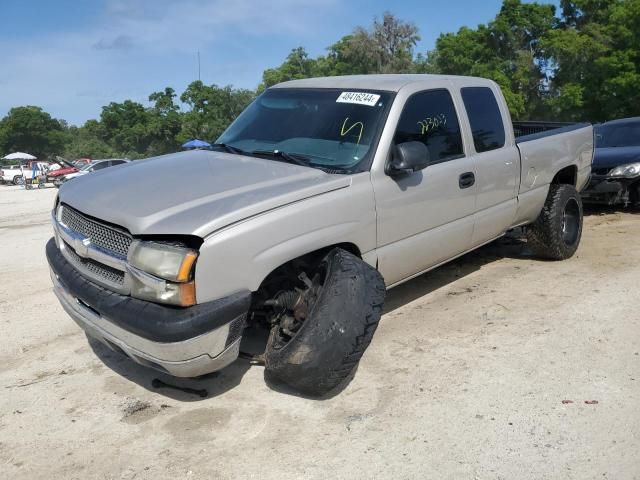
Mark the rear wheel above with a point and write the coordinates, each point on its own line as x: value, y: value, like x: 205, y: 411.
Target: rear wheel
x: 322, y: 327
x: 18, y: 180
x: 556, y: 233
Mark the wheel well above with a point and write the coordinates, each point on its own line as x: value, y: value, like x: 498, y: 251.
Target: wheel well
x: 285, y: 277
x: 566, y: 176
x: 310, y: 258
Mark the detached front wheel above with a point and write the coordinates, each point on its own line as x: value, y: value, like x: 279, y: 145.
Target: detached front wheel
x: 324, y: 326
x: 556, y: 233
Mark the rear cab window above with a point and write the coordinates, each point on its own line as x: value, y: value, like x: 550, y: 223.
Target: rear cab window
x: 430, y: 117
x: 485, y: 118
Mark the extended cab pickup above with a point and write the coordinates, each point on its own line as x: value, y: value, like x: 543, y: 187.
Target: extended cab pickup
x: 323, y: 193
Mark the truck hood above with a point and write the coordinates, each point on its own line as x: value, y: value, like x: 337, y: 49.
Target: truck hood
x: 611, y: 157
x: 193, y: 193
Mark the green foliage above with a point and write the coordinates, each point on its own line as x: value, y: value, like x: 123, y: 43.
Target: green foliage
x: 30, y: 129
x: 212, y: 109
x: 297, y: 65
x: 596, y: 53
x: 386, y: 47
x: 507, y: 50
x: 164, y: 123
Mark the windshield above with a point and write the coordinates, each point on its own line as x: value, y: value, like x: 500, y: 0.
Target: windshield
x: 334, y: 129
x: 618, y: 135
x: 86, y: 167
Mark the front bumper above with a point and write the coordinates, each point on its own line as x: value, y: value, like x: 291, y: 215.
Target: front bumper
x: 605, y: 190
x: 184, y: 342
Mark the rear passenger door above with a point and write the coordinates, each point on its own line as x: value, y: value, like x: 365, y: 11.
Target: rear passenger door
x: 497, y: 161
x: 426, y: 217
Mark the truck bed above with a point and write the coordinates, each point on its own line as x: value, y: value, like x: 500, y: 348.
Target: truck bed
x: 547, y: 152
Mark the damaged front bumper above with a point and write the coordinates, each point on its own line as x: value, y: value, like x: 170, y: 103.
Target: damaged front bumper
x: 607, y: 190
x: 183, y: 342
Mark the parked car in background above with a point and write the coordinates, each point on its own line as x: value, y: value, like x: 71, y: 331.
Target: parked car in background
x: 615, y: 178
x: 11, y: 174
x: 92, y: 167
x: 18, y: 174
x: 81, y: 162
x: 65, y: 169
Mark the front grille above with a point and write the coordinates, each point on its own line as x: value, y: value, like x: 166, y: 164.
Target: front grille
x: 100, y: 270
x: 600, y: 171
x: 103, y: 236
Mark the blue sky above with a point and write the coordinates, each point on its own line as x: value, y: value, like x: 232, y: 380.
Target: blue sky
x: 72, y: 57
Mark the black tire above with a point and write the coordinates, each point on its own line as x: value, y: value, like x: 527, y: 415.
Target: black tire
x: 337, y: 331
x: 18, y: 180
x: 556, y: 233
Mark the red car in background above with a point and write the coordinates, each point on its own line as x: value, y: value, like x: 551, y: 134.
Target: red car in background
x: 65, y: 169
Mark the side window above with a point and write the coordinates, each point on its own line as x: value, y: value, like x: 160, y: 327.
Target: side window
x: 116, y: 162
x: 99, y: 166
x: 430, y: 117
x: 485, y: 118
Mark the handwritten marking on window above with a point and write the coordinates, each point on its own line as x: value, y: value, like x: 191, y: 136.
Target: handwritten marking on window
x: 345, y: 130
x: 430, y: 124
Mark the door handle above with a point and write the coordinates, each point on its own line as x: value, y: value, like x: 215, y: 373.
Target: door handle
x: 466, y: 180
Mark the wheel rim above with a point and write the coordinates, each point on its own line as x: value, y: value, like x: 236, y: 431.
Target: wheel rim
x: 296, y: 306
x: 570, y: 222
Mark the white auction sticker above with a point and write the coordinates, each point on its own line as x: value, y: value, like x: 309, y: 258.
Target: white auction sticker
x: 360, y: 98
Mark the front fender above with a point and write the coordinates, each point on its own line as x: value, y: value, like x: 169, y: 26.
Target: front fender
x: 241, y: 256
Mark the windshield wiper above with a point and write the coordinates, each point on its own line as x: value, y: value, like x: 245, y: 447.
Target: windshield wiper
x: 228, y: 148
x: 295, y: 158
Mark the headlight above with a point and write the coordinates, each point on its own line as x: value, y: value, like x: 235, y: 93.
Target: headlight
x: 165, y: 261
x: 154, y: 289
x: 162, y: 273
x: 630, y: 170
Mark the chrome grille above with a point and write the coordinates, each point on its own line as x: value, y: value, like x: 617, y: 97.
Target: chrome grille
x: 95, y: 268
x: 101, y: 235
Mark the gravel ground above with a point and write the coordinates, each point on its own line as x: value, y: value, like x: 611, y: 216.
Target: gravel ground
x: 496, y: 366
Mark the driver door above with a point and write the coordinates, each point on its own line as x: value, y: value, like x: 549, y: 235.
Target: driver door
x: 426, y: 217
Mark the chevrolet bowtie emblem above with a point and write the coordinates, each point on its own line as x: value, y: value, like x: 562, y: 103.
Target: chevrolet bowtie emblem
x: 81, y: 246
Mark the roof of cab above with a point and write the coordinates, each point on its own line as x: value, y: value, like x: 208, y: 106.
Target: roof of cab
x: 388, y: 82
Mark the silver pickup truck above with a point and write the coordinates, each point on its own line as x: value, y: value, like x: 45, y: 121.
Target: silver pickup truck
x: 320, y: 196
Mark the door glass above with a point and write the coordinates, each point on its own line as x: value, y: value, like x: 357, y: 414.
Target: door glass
x: 430, y: 117
x: 485, y: 118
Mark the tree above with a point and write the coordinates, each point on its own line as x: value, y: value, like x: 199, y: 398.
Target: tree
x: 125, y: 128
x: 506, y: 50
x: 297, y: 65
x: 30, y: 129
x: 87, y: 142
x: 596, y: 60
x: 386, y: 47
x: 165, y: 122
x: 212, y: 109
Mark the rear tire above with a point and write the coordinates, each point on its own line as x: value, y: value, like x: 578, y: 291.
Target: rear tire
x: 556, y: 233
x: 18, y: 180
x: 338, y: 329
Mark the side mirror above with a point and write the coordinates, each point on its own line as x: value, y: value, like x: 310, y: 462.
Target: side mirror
x: 408, y: 157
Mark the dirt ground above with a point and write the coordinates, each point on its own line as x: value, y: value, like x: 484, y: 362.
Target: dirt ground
x: 496, y: 366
